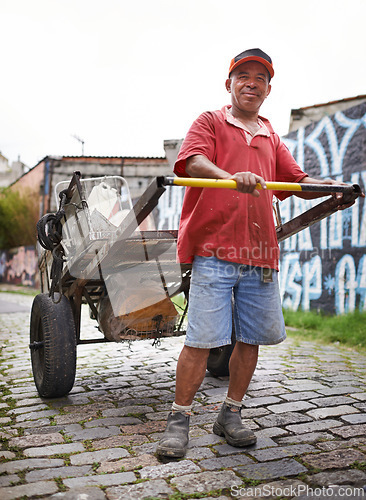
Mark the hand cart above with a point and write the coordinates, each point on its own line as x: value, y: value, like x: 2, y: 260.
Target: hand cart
x: 100, y: 250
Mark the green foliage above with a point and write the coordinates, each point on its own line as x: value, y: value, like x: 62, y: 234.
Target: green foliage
x: 19, y: 213
x: 60, y: 484
x: 346, y: 329
x: 359, y: 465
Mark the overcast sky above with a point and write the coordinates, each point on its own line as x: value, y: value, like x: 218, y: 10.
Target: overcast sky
x: 126, y: 75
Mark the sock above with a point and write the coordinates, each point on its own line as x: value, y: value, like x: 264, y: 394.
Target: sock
x: 232, y: 402
x: 182, y: 409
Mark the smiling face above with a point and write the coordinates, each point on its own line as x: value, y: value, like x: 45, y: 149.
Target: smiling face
x: 249, y: 86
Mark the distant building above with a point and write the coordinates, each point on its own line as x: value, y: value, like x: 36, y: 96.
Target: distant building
x: 4, y: 164
x: 20, y: 265
x: 43, y: 177
x: 9, y: 173
x: 304, y: 116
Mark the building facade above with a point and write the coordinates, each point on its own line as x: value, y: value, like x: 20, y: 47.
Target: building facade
x: 42, y: 179
x: 9, y: 173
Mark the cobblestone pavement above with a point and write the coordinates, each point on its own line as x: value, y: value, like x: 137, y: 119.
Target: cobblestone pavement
x: 307, y: 404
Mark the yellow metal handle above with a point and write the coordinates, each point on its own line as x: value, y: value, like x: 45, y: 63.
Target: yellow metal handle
x: 273, y: 186
x: 229, y: 183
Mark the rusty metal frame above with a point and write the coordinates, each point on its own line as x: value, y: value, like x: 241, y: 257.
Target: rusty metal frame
x: 316, y: 214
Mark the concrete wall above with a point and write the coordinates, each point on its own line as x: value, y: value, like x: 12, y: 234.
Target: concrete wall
x: 138, y: 172
x: 31, y: 184
x: 305, y: 116
x: 9, y: 173
x: 325, y: 267
x: 171, y: 148
x: 32, y: 180
x: 43, y: 178
x: 4, y: 164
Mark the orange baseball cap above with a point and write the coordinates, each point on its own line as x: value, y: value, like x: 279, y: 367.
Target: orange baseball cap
x: 252, y: 55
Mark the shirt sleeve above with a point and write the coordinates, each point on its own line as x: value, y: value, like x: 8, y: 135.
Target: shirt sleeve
x: 200, y: 140
x: 287, y: 170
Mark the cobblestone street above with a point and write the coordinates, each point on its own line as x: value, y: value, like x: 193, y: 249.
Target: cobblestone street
x: 306, y: 403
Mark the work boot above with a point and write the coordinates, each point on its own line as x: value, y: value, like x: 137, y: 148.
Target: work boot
x: 175, y: 438
x: 229, y: 424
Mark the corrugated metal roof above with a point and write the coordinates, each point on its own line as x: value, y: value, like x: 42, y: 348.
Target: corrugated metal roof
x: 86, y: 158
x: 347, y: 99
x: 112, y: 157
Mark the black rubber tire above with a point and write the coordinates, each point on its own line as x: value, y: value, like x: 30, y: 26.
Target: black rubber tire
x: 219, y: 357
x: 54, y: 359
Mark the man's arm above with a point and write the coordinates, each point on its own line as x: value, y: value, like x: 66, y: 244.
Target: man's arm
x: 200, y: 166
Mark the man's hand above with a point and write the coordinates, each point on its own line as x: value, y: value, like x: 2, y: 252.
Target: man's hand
x: 200, y: 166
x: 247, y: 181
x: 339, y: 196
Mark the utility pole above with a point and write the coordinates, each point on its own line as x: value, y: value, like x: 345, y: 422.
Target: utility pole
x: 82, y: 143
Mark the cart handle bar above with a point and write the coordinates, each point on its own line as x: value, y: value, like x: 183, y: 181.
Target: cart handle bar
x: 277, y: 186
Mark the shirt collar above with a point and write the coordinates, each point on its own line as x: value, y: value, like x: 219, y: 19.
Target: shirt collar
x: 237, y: 123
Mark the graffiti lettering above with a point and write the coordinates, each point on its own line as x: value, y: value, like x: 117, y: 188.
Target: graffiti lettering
x: 290, y: 275
x: 312, y: 281
x: 349, y: 284
x: 300, y: 282
x: 335, y: 141
x: 330, y: 154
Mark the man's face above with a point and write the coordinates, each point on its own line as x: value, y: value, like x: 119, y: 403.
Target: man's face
x: 249, y: 86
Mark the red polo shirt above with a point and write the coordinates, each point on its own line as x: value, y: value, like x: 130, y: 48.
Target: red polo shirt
x: 230, y: 225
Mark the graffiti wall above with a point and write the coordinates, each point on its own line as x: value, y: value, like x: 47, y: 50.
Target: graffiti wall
x: 322, y: 267
x: 18, y: 266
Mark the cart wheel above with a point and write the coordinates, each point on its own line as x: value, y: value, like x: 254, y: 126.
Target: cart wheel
x: 53, y: 346
x: 219, y: 357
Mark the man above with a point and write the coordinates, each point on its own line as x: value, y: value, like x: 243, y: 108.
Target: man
x: 231, y: 239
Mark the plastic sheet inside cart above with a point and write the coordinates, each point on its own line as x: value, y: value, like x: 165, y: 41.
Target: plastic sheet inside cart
x: 138, y: 268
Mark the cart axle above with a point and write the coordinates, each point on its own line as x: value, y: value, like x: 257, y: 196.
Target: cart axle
x: 34, y: 346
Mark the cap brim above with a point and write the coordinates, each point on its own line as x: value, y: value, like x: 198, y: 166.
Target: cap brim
x: 265, y: 63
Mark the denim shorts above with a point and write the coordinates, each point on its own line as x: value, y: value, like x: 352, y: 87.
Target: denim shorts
x: 222, y: 292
